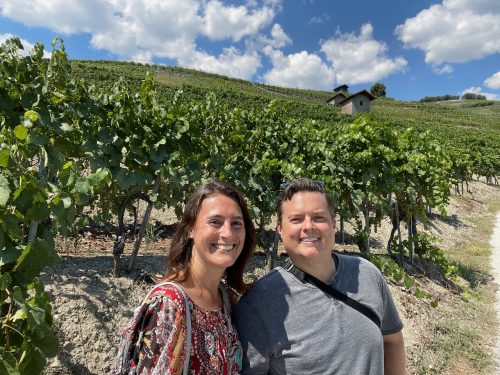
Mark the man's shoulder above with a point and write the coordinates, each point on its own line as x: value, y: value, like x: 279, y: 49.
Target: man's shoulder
x: 268, y: 284
x: 365, y: 270
x: 358, y: 262
x: 275, y: 276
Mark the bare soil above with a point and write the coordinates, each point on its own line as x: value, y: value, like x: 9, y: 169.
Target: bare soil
x: 91, y: 307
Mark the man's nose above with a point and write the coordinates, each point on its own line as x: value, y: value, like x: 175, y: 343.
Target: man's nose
x: 308, y: 223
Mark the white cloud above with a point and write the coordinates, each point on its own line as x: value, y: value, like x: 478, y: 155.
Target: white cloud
x: 320, y: 19
x: 230, y: 62
x: 143, y: 30
x: 142, y: 57
x: 477, y: 6
x: 478, y: 91
x: 63, y: 16
x: 454, y: 31
x: 27, y: 46
x: 442, y: 69
x: 493, y: 82
x: 301, y: 70
x: 230, y: 22
x: 278, y: 39
x: 360, y: 59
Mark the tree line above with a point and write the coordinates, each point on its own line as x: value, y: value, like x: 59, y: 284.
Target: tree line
x: 466, y: 96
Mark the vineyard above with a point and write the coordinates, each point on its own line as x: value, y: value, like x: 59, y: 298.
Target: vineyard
x: 82, y: 143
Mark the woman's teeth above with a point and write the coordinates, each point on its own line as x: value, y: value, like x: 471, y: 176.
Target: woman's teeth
x: 224, y: 247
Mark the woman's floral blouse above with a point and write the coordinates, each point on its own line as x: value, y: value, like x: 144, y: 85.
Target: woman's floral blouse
x: 155, y: 341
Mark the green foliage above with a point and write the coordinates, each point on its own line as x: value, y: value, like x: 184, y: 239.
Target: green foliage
x: 451, y: 271
x: 35, y: 95
x: 42, y: 188
x: 378, y: 90
x: 66, y: 145
x: 392, y: 270
x: 472, y: 96
x: 475, y: 141
x: 439, y: 98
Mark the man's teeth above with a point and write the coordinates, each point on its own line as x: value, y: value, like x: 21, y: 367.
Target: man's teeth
x: 310, y: 239
x: 224, y: 247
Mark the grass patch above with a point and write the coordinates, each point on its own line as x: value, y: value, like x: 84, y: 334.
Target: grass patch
x: 473, y: 275
x: 454, y: 345
x: 462, y: 336
x: 473, y: 254
x: 451, y: 342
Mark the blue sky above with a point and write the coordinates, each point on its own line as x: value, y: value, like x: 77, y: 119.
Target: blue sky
x: 416, y: 48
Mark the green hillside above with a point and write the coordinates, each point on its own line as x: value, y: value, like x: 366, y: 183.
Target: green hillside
x: 464, y: 126
x: 195, y: 83
x: 462, y: 113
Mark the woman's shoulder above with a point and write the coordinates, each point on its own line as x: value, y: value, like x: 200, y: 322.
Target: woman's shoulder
x: 166, y: 292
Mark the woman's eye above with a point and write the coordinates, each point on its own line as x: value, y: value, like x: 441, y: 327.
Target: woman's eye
x: 238, y: 224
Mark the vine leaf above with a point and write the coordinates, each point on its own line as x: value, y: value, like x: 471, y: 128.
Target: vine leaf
x: 4, y: 190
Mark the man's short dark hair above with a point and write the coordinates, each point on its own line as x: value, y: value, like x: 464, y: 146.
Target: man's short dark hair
x: 289, y: 189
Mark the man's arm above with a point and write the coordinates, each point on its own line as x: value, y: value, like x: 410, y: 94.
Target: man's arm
x: 253, y: 337
x: 394, y: 354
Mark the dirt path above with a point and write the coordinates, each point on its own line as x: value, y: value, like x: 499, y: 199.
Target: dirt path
x: 495, y: 262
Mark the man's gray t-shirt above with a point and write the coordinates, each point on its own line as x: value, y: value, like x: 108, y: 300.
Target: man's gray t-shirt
x: 287, y: 326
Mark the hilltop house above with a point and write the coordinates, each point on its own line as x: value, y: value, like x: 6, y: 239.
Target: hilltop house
x: 336, y: 98
x: 358, y: 102
x: 355, y: 103
x: 341, y: 88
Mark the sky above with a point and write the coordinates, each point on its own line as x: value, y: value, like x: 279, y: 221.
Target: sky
x: 416, y: 48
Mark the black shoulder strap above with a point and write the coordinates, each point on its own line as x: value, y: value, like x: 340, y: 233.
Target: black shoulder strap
x: 365, y: 310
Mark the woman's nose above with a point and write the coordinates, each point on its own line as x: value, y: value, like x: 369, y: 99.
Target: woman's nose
x: 226, y: 230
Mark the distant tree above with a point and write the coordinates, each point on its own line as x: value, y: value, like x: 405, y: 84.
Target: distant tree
x: 439, y: 98
x: 378, y: 90
x: 471, y: 95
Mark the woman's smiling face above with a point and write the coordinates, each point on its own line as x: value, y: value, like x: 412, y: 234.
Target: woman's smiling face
x: 307, y: 228
x: 218, y: 233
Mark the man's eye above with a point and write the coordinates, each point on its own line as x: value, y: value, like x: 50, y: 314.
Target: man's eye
x: 320, y: 219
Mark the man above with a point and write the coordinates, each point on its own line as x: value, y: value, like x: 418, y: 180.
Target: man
x: 288, y: 325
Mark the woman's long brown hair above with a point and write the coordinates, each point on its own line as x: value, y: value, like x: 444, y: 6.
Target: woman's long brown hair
x: 179, y: 255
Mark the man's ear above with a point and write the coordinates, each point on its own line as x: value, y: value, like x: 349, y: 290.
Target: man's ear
x: 278, y: 228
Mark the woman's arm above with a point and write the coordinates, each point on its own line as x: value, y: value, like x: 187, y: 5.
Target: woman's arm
x: 394, y: 354
x: 156, y: 338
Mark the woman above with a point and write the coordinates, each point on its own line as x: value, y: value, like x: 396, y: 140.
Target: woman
x: 290, y: 323
x: 214, y: 239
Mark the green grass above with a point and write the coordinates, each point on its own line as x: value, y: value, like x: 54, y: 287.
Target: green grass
x: 456, y: 347
x: 462, y: 334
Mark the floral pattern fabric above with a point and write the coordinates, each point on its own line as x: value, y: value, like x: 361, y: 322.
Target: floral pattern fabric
x: 155, y: 341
